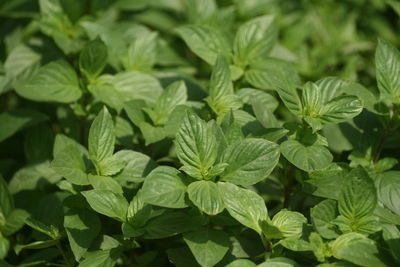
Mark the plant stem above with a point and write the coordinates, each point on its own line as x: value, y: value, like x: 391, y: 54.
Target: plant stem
x: 67, y: 262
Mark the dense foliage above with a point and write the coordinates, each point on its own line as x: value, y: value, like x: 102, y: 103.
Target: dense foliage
x: 233, y: 133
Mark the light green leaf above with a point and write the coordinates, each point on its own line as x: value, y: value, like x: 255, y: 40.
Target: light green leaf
x: 249, y: 161
x: 16, y: 120
x: 54, y: 82
x: 196, y: 146
x: 387, y: 61
x: 322, y: 216
x: 306, y: 157
x: 254, y: 39
x: 273, y: 74
x: 22, y: 62
x: 221, y: 97
x: 138, y: 166
x: 29, y: 177
x: 208, y: 246
x: 108, y: 203
x: 93, y: 58
x: 175, y: 94
x: 388, y: 186
x: 295, y: 244
x: 358, y: 198
x: 244, y: 205
x: 220, y: 81
x: 364, y: 225
x: 165, y: 187
x: 111, y: 165
x: 105, y: 183
x: 49, y: 230
x: 341, y: 109
x: 35, y: 245
x: 206, y: 196
x: 14, y: 222
x: 4, y: 246
x: 101, y: 136
x: 357, y: 249
x: 241, y: 263
x: 137, y: 85
x: 268, y: 101
x: 289, y: 223
x: 206, y: 42
x: 82, y: 227
x: 279, y: 262
x: 142, y: 52
x: 101, y: 258
x: 70, y: 160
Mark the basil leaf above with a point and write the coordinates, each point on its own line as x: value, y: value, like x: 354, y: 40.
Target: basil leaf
x: 165, y: 187
x: 244, y: 205
x: 55, y: 82
x: 206, y: 196
x: 249, y: 161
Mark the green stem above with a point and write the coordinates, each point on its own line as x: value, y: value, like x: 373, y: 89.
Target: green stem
x: 67, y: 262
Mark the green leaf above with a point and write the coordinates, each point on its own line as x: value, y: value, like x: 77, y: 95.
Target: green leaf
x: 175, y: 94
x: 4, y: 246
x: 101, y: 258
x: 165, y: 187
x: 172, y: 223
x: 357, y: 249
x: 6, y: 201
x: 17, y: 120
x: 220, y: 81
x: 341, y: 109
x: 22, y: 62
x: 221, y: 97
x: 241, y: 263
x: 254, y: 39
x: 136, y: 85
x: 388, y: 186
x: 70, y: 160
x: 306, y: 157
x: 391, y: 235
x: 206, y: 196
x: 142, y: 52
x: 196, y: 146
x: 387, y: 61
x: 364, y: 225
x: 322, y: 216
x: 275, y: 74
x: 54, y: 82
x: 108, y: 203
x: 206, y: 42
x: 289, y: 223
x: 38, y: 144
x: 35, y: 245
x: 244, y: 205
x: 111, y: 165
x: 14, y: 222
x: 105, y: 183
x: 208, y: 246
x: 138, y: 166
x: 93, y: 58
x: 358, y: 198
x: 101, y: 136
x: 82, y: 227
x: 279, y: 262
x: 49, y: 230
x: 249, y: 161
